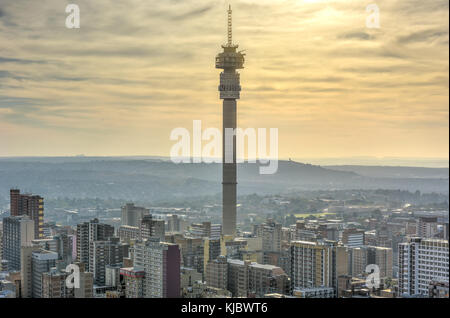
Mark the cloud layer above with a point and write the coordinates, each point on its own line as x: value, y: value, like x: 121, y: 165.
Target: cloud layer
x: 136, y: 69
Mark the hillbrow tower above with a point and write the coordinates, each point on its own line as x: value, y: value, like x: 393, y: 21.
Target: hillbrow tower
x: 229, y: 61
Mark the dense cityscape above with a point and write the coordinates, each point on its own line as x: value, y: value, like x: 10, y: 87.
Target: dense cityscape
x: 159, y: 252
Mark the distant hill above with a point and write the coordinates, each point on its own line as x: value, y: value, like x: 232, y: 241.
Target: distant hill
x: 157, y: 179
x: 395, y: 172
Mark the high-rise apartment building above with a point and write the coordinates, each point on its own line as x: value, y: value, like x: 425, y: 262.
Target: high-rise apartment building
x: 103, y: 253
x: 317, y: 264
x: 18, y: 231
x: 88, y: 232
x: 30, y: 205
x: 149, y: 227
x: 422, y: 261
x: 161, y: 263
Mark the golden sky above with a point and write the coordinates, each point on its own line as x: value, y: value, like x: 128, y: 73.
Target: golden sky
x: 136, y: 69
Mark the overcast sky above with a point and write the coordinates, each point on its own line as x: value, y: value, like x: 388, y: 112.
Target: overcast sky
x: 136, y: 69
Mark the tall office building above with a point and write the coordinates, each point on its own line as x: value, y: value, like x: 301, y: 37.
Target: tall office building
x: 41, y: 262
x: 229, y: 60
x: 131, y: 214
x: 88, y: 232
x: 30, y: 205
x: 421, y: 262
x: 161, y: 263
x: 149, y: 227
x: 18, y: 231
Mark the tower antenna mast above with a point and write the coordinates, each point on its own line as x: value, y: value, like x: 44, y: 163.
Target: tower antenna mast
x: 230, y: 27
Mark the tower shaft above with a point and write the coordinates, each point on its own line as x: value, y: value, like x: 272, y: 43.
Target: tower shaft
x: 229, y: 173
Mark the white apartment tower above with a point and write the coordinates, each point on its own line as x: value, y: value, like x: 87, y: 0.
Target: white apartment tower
x: 422, y: 261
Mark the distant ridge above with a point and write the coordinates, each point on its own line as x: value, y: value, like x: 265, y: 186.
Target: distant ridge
x: 150, y: 178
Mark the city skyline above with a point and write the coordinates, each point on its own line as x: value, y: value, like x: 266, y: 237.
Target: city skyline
x: 238, y: 157
x: 130, y: 74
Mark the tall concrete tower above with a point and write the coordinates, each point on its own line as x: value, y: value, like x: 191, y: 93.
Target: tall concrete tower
x: 229, y: 60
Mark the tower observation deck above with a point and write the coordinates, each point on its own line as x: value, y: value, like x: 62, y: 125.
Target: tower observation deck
x: 229, y: 61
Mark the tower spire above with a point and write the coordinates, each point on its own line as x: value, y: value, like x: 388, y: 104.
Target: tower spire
x: 230, y: 28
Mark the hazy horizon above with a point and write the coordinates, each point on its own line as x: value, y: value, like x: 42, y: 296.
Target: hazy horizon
x: 325, y: 161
